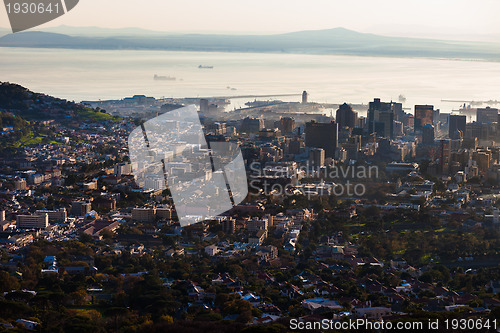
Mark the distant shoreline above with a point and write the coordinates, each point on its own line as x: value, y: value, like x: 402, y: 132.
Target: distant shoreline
x: 263, y: 52
x: 321, y: 42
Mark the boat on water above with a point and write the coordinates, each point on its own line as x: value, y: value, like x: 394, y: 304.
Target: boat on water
x: 205, y: 67
x: 164, y: 78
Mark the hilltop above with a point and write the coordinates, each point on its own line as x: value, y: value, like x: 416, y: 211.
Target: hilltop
x: 329, y: 41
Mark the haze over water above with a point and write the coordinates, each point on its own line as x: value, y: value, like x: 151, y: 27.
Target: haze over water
x: 95, y: 74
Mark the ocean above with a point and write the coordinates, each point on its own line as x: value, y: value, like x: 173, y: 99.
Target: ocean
x: 113, y: 74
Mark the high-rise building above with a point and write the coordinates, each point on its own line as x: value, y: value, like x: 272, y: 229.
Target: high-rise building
x: 456, y: 123
x: 80, y: 208
x: 322, y: 135
x: 304, y: 97
x: 123, y: 169
x: 352, y: 147
x: 487, y: 115
x: 295, y: 147
x: 385, y: 126
x: 32, y: 221
x: 428, y: 134
x: 346, y: 117
x: 398, y: 129
x: 317, y: 157
x: 252, y: 125
x: 381, y: 116
x: 424, y: 115
x: 229, y: 226
x: 483, y: 159
x: 397, y: 109
x: 143, y: 214
x: 287, y: 125
x: 445, y: 156
x: 256, y: 225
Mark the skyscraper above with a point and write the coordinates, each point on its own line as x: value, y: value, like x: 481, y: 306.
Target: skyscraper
x: 424, y: 115
x: 397, y: 109
x: 80, y: 208
x: 252, y: 125
x: 322, y: 135
x: 346, y: 117
x: 487, y: 115
x: 387, y: 130
x: 317, y: 157
x: 445, y: 156
x: 456, y: 123
x: 381, y: 116
x: 287, y: 125
x: 428, y: 134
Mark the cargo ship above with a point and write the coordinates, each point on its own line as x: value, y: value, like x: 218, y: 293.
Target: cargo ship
x: 163, y: 78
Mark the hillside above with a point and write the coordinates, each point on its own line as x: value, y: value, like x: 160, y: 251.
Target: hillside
x: 330, y: 41
x: 23, y: 114
x: 29, y: 105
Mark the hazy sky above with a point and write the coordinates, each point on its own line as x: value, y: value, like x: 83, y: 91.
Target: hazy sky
x: 457, y: 19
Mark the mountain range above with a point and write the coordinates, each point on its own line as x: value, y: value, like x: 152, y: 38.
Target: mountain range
x: 330, y: 41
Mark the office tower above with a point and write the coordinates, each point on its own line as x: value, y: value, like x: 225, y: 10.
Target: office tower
x: 229, y: 226
x: 352, y: 147
x: 385, y: 126
x: 144, y: 214
x: 322, y: 135
x: 445, y: 155
x: 397, y: 109
x: 361, y: 123
x: 436, y: 116
x: 456, y: 123
x: 374, y: 108
x: 295, y: 147
x: 32, y: 221
x: 487, y: 115
x: 80, y: 208
x: 483, y: 159
x: 481, y: 131
x: 304, y: 97
x: 287, y: 125
x: 398, y: 129
x: 251, y: 125
x: 381, y: 117
x: 424, y: 115
x: 428, y: 134
x: 317, y: 157
x: 346, y: 117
